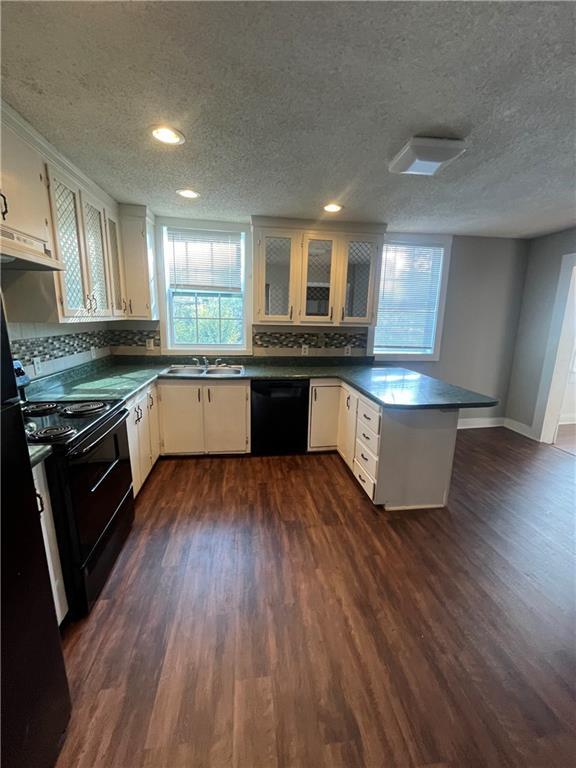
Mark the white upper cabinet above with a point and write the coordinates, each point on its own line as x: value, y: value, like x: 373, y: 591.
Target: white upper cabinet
x: 137, y: 235
x: 359, y: 277
x: 316, y: 277
x: 319, y: 274
x: 277, y: 275
x: 119, y: 304
x: 24, y: 205
x: 96, y: 257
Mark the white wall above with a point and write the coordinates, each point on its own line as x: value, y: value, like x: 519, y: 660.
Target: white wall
x: 539, y: 328
x: 483, y: 300
x: 568, y: 410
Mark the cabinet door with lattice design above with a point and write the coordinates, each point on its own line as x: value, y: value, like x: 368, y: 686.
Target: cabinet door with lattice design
x: 96, y: 261
x: 360, y: 255
x: 319, y: 276
x: 279, y: 253
x: 117, y: 289
x: 66, y: 211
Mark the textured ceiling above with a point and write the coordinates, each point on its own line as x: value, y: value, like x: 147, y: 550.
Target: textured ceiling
x: 288, y: 105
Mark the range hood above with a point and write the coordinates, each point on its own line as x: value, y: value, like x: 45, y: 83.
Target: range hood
x: 22, y: 252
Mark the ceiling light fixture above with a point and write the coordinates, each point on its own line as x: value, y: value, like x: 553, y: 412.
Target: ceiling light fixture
x: 424, y: 157
x: 189, y: 193
x: 332, y: 208
x: 168, y: 135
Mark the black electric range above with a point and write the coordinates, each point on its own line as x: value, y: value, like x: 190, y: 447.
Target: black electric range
x: 90, y: 488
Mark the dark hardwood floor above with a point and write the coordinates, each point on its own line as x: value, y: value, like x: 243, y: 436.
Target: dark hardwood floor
x: 263, y: 613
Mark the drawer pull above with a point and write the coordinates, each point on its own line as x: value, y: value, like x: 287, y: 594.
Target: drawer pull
x: 361, y: 479
x: 368, y: 418
x: 365, y: 436
x: 364, y: 457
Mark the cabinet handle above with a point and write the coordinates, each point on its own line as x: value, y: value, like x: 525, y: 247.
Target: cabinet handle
x: 365, y: 436
x: 136, y: 420
x: 342, y: 317
x: 361, y: 479
x: 348, y: 402
x: 88, y: 302
x: 95, y: 302
x: 39, y: 498
x: 366, y: 417
x: 364, y: 457
x: 124, y: 308
x: 291, y: 311
x: 130, y: 305
x: 198, y: 394
x: 315, y: 394
x: 209, y: 395
x: 4, y: 206
x: 151, y: 400
x: 331, y: 312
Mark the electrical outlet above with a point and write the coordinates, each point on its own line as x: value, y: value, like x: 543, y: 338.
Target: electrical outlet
x: 348, y: 350
x: 93, y: 353
x: 38, y: 365
x: 305, y: 350
x: 149, y: 343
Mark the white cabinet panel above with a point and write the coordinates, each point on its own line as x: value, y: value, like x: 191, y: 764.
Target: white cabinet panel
x: 25, y: 207
x: 96, y: 260
x: 181, y: 417
x: 358, y: 277
x: 154, y: 423
x: 226, y: 417
x: 324, y: 407
x: 144, y: 451
x: 119, y: 304
x: 277, y: 275
x: 138, y: 252
x: 134, y: 443
x: 347, y: 424
x: 319, y: 275
x: 50, y: 543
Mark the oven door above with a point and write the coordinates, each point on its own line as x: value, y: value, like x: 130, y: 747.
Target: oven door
x: 99, y: 477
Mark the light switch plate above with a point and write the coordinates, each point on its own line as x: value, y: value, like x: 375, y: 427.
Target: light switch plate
x: 348, y: 350
x: 305, y: 349
x: 38, y: 366
x: 93, y: 353
x: 149, y: 343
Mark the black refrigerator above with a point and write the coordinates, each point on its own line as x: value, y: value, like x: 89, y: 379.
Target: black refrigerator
x: 35, y: 700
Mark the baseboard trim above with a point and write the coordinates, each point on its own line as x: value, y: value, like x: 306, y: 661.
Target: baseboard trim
x: 570, y: 418
x: 483, y: 421
x: 522, y: 429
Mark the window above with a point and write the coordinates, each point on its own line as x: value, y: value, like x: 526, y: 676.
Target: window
x: 205, y: 289
x: 411, y: 297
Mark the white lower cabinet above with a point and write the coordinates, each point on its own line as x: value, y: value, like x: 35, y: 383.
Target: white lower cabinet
x: 323, y: 416
x: 50, y: 542
x: 201, y: 417
x: 143, y: 434
x: 347, y: 424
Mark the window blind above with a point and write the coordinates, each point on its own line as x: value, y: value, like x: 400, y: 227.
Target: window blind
x: 409, y: 298
x: 203, y: 260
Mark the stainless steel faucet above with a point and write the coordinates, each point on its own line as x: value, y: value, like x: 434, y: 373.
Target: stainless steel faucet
x: 218, y: 361
x: 196, y: 361
x: 205, y: 360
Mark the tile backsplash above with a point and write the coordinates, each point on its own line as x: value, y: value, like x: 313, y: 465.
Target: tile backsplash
x: 320, y: 341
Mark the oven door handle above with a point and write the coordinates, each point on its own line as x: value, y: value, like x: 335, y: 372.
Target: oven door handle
x: 95, y: 443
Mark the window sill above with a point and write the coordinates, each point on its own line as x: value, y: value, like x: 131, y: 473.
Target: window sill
x: 208, y: 351
x: 430, y: 357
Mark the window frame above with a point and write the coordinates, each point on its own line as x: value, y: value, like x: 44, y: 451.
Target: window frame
x: 394, y: 238
x: 166, y: 345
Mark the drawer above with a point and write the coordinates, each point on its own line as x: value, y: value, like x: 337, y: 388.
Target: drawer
x: 368, y: 437
x: 368, y: 416
x: 364, y: 479
x: 366, y: 459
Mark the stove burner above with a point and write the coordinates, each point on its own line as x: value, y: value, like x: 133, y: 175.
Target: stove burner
x: 85, y: 409
x: 52, y: 434
x: 39, y: 409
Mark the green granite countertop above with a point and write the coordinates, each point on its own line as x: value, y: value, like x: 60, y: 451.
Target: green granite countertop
x: 389, y: 386
x: 38, y: 453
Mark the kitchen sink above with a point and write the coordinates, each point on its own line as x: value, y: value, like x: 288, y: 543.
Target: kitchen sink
x: 200, y: 370
x: 225, y: 370
x: 185, y: 370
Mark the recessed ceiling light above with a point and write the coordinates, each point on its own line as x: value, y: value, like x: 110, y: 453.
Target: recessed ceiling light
x: 424, y: 157
x: 168, y: 135
x: 189, y: 193
x: 332, y: 208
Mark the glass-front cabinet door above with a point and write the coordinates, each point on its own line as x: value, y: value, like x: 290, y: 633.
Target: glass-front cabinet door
x: 279, y: 255
x: 117, y: 295
x: 360, y: 257
x: 66, y: 212
x: 94, y: 237
x: 318, y: 279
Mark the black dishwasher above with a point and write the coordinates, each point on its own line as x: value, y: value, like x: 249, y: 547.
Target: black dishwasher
x: 279, y: 416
